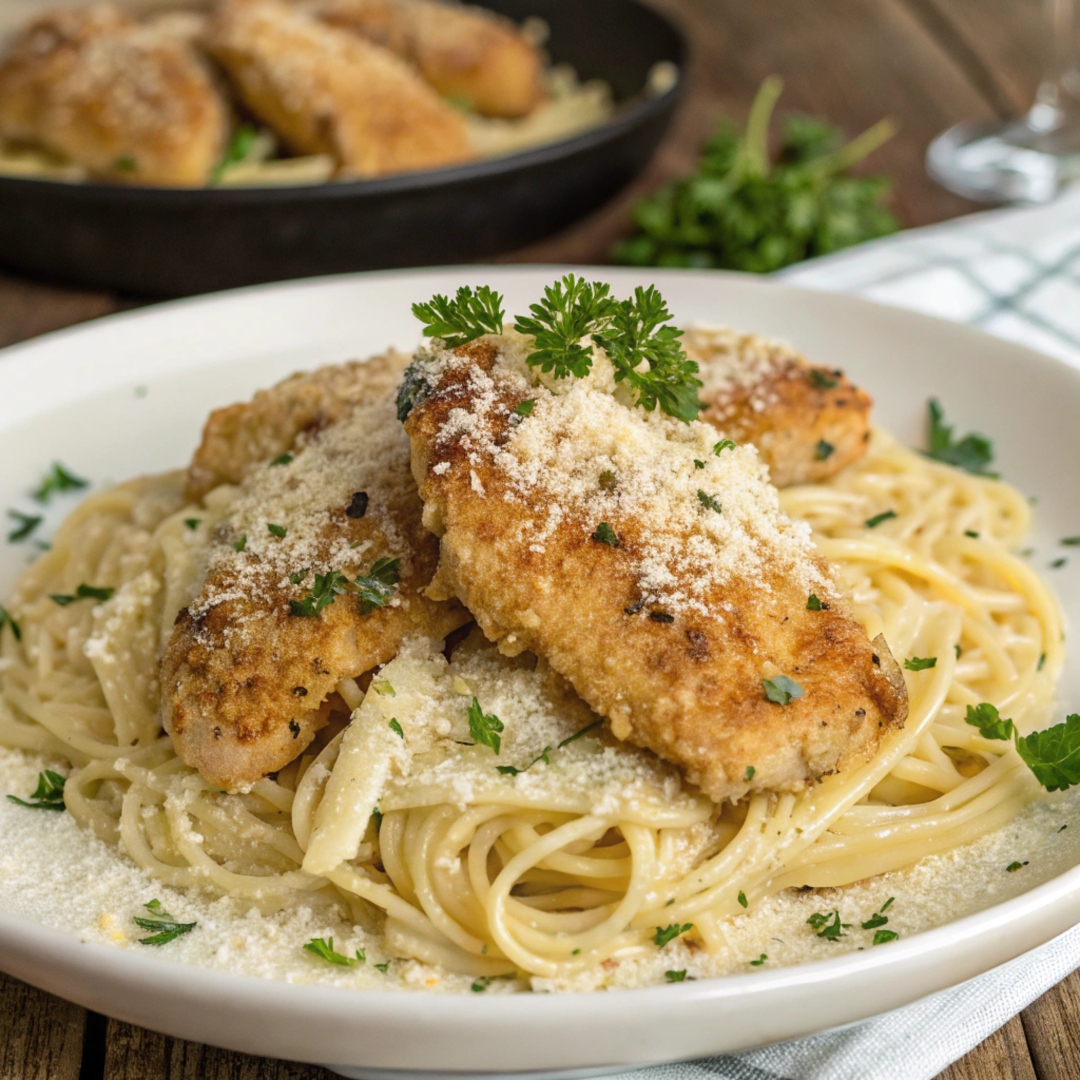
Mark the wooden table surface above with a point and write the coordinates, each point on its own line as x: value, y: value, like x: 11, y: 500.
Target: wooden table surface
x: 928, y: 64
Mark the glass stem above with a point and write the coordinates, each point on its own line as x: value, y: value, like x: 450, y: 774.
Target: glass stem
x: 1057, y: 100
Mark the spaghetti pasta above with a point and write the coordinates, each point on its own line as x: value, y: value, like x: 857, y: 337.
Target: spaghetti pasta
x: 568, y: 848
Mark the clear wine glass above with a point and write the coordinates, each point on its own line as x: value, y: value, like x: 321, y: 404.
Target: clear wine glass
x: 1032, y: 158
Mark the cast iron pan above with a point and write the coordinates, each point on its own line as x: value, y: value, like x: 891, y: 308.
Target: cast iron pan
x: 173, y: 241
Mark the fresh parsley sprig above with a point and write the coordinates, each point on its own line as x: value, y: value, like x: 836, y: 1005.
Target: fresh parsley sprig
x: 738, y: 210
x: 1052, y: 755
x: 56, y: 481
x: 324, y: 949
x: 465, y: 318
x: 377, y: 586
x: 165, y: 927
x: 48, y: 795
x: 485, y: 728
x: 571, y: 309
x: 973, y: 453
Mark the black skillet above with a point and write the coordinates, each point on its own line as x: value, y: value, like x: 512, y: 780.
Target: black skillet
x: 174, y: 241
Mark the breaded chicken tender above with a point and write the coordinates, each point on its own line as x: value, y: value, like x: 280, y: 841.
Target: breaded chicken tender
x: 281, y: 618
x: 465, y: 52
x: 660, y: 578
x: 327, y: 91
x: 807, y: 422
x: 239, y: 437
x: 129, y: 103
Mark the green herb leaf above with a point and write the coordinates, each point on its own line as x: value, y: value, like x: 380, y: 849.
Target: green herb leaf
x: 192, y: 523
x: 822, y: 380
x: 395, y: 727
x: 166, y: 927
x: 710, y: 502
x: 814, y: 604
x: 605, y: 534
x: 125, y: 163
x: 1071, y: 541
x: 824, y: 450
x: 277, y: 530
x: 484, y: 729
x: 48, y: 795
x: 465, y: 318
x: 58, y: 480
x: 920, y: 663
x: 759, y: 961
x: 722, y: 445
x: 883, y: 937
x: 27, y: 523
x: 750, y: 770
x: 664, y: 934
x: 377, y: 587
x: 383, y: 688
x: 324, y: 949
x: 240, y: 146
x: 972, y: 453
x: 675, y: 976
x: 83, y: 592
x: 827, y: 925
x: 743, y: 902
x: 781, y: 689
x: 525, y: 408
x: 383, y: 967
x: 738, y: 210
x: 1052, y: 755
x: 7, y: 620
x: 1014, y: 866
x: 241, y: 544
x: 571, y: 309
x: 877, y: 519
x: 327, y: 587
x: 282, y: 459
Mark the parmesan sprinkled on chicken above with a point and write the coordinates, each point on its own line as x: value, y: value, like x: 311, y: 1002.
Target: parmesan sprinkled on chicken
x: 807, y: 422
x: 659, y: 577
x: 253, y: 657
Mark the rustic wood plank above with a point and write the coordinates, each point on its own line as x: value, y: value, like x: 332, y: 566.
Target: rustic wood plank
x: 1052, y: 1026
x: 29, y: 308
x: 136, y: 1054
x: 41, y: 1036
x: 1004, y: 41
x: 891, y: 65
x: 1003, y: 1056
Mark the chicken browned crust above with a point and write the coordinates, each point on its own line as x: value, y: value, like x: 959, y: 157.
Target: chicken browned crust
x: 328, y: 91
x: 807, y: 422
x: 130, y: 103
x: 239, y: 437
x: 247, y: 669
x: 465, y: 52
x: 666, y: 591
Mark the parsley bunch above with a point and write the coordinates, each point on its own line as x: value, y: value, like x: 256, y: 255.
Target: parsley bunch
x: 738, y: 211
x: 1052, y: 755
x: 643, y: 348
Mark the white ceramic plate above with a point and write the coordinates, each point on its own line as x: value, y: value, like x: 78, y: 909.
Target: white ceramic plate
x: 129, y: 394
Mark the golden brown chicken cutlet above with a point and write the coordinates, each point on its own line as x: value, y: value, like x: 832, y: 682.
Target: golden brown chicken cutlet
x: 239, y: 437
x: 674, y: 596
x: 807, y: 422
x: 129, y: 103
x: 328, y: 91
x: 316, y: 574
x: 465, y: 52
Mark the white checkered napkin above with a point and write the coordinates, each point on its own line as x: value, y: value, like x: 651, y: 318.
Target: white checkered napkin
x: 1015, y: 273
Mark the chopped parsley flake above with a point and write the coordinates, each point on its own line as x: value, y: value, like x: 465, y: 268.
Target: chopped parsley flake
x: 277, y: 530
x: 973, y: 453
x: 827, y: 925
x: 83, y: 592
x: 383, y: 688
x: 920, y: 663
x: 824, y: 450
x: 710, y: 502
x: 664, y: 934
x: 675, y: 976
x: 605, y: 534
x: 240, y: 544
x: 1070, y: 541
x: 1014, y: 866
x: 165, y: 926
x: 525, y: 408
x: 814, y: 604
x: 485, y: 728
x: 821, y: 380
x: 877, y: 519
x: 722, y: 445
x: 1057, y: 564
x: 972, y: 533
x: 327, y: 587
x: 743, y: 902
x: 395, y: 727
x: 383, y: 967
x: 48, y: 795
x: 883, y: 937
x: 1042, y: 661
x: 27, y: 523
x: 759, y: 961
x: 284, y: 459
x: 58, y: 480
x: 324, y: 949
x: 7, y: 620
x: 750, y: 770
x: 377, y: 587
x: 781, y: 689
x: 192, y: 523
